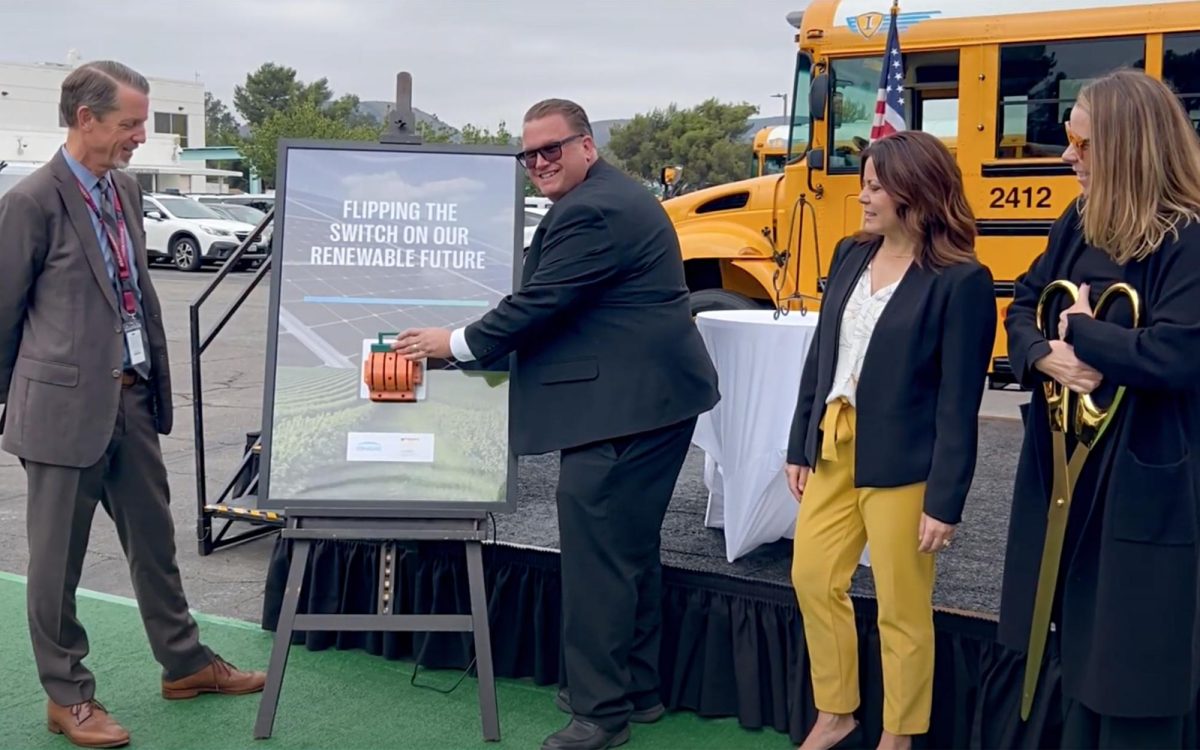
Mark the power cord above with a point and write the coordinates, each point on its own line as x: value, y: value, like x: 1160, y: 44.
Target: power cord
x: 463, y: 676
x: 417, y: 661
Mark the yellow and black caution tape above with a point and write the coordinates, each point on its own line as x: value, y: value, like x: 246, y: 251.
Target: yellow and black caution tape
x: 269, y: 516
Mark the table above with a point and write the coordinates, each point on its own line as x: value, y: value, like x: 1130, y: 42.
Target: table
x: 759, y: 359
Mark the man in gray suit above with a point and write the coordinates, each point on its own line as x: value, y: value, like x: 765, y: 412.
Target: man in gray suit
x: 86, y: 389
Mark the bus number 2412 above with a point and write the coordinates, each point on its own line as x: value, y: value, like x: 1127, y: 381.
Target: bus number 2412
x: 1021, y: 197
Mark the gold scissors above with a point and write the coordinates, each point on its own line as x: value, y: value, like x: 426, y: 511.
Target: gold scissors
x: 1088, y: 423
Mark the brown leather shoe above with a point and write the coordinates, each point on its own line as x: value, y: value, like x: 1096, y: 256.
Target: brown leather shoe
x: 86, y: 724
x: 218, y: 677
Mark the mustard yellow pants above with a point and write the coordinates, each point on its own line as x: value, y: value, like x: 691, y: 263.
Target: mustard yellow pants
x: 835, y: 521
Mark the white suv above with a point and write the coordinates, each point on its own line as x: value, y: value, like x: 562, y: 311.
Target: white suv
x: 190, y: 234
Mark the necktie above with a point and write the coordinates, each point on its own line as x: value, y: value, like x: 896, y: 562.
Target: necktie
x: 109, y: 216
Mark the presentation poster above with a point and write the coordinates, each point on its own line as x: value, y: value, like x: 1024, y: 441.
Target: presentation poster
x: 371, y: 241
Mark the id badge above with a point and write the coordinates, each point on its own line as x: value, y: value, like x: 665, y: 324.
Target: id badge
x: 133, y: 341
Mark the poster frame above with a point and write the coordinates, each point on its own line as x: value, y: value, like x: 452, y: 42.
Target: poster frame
x: 398, y: 507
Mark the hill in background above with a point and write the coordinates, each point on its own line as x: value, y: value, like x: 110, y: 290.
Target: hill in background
x: 379, y: 110
x: 600, y: 128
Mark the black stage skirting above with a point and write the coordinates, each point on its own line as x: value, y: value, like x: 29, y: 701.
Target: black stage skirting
x: 732, y: 646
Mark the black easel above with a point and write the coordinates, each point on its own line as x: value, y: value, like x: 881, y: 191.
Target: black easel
x: 327, y: 525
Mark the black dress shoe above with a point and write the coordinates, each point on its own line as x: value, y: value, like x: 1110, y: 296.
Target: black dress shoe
x: 584, y: 735
x: 647, y: 715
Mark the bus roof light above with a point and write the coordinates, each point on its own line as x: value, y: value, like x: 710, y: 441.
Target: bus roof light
x: 796, y: 17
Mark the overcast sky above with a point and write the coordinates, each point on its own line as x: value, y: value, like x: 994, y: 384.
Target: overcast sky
x: 478, y: 61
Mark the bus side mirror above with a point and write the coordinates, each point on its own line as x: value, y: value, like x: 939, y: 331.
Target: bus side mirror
x: 816, y: 159
x: 818, y: 96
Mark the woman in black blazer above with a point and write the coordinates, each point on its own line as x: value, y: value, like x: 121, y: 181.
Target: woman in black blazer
x: 883, y: 441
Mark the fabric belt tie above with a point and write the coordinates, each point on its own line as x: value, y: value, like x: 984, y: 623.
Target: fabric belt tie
x: 837, y: 428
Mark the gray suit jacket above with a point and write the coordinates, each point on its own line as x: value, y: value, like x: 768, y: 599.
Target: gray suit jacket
x: 61, y: 342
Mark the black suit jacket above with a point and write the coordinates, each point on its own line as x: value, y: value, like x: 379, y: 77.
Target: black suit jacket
x: 604, y: 340
x: 917, y: 401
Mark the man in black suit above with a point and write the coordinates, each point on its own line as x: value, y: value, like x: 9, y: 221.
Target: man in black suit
x: 609, y: 370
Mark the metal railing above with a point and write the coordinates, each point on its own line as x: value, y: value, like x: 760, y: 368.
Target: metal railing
x: 244, y: 482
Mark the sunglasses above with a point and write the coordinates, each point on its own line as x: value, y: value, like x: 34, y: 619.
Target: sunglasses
x: 1080, y: 144
x: 551, y: 152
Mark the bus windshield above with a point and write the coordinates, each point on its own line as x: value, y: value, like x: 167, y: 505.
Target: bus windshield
x: 798, y: 142
x: 774, y: 164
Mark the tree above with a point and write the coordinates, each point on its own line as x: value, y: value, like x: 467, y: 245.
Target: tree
x: 431, y: 134
x: 304, y: 119
x: 705, y: 140
x: 472, y: 134
x: 220, y: 127
x: 270, y: 89
x: 317, y: 92
x: 275, y: 88
x: 345, y: 109
x: 606, y: 153
x: 469, y: 134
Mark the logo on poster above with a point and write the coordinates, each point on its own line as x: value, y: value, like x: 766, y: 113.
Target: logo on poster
x: 397, y: 447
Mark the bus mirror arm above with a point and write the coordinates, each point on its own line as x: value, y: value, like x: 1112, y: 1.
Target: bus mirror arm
x: 816, y: 162
x: 772, y: 232
x: 782, y: 259
x: 818, y: 101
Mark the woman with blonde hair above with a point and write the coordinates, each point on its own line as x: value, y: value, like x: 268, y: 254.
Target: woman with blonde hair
x: 883, y: 441
x: 1126, y: 606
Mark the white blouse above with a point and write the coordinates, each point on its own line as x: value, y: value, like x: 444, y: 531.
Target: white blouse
x: 858, y: 323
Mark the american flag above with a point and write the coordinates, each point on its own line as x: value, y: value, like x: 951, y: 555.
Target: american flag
x: 889, y: 105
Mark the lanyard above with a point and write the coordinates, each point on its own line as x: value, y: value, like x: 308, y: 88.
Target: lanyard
x: 116, y: 244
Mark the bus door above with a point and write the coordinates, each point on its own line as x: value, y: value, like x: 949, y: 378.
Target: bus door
x: 930, y: 103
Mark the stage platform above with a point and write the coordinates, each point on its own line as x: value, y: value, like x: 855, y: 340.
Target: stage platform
x: 968, y: 575
x: 733, y: 640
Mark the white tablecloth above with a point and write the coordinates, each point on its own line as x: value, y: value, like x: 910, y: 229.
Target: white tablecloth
x: 759, y: 360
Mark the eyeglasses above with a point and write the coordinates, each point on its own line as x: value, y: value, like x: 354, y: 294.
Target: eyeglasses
x: 550, y: 152
x: 1080, y: 144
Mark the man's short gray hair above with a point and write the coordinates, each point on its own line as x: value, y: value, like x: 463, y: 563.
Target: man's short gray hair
x: 576, y: 118
x: 94, y: 85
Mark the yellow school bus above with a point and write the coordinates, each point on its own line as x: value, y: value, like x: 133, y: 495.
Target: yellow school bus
x: 770, y: 150
x: 994, y: 80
